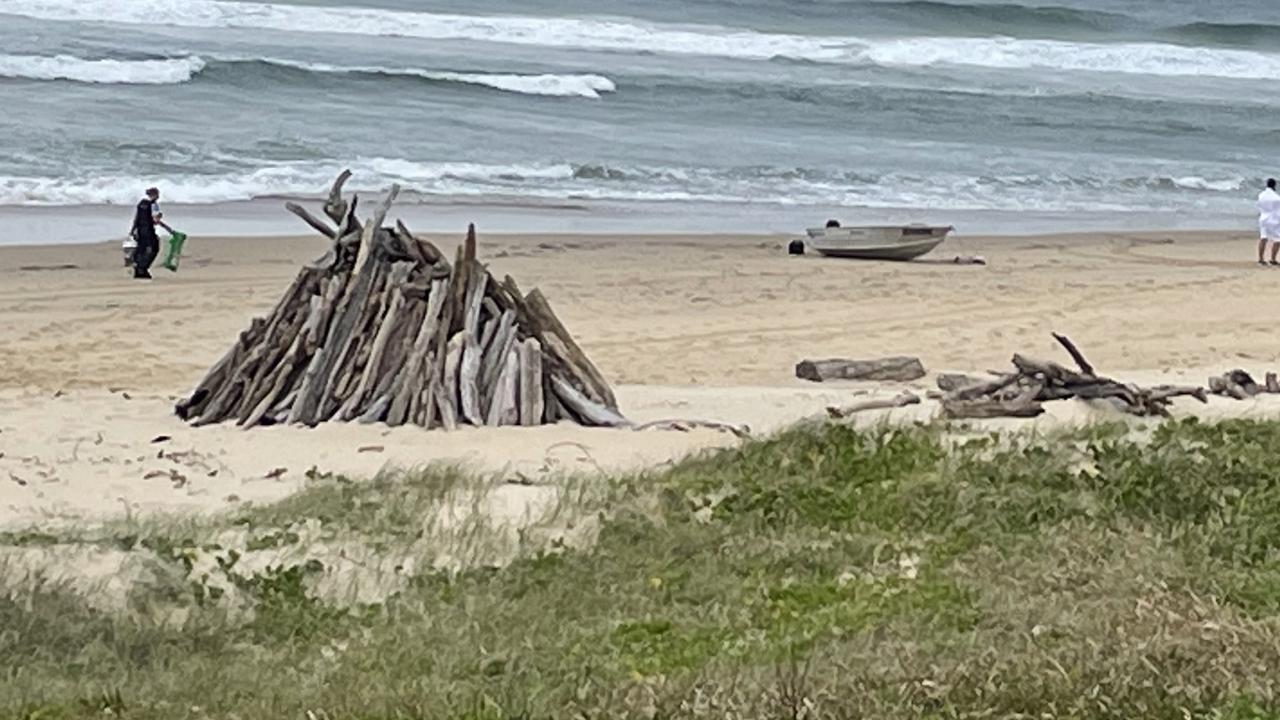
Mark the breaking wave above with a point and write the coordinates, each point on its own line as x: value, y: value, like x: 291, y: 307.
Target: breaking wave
x: 172, y: 71
x: 1151, y: 58
x: 597, y: 182
x: 112, y: 72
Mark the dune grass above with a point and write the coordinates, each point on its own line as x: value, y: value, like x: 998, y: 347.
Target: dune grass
x: 825, y: 573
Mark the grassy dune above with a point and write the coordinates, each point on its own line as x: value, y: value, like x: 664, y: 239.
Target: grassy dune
x: 826, y: 573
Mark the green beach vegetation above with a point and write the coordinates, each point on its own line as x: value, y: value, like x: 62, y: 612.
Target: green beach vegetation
x: 828, y: 572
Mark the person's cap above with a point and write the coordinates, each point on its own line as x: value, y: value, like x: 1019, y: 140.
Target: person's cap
x: 153, y: 191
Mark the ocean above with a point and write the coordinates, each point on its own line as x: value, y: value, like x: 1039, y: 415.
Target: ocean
x: 734, y: 114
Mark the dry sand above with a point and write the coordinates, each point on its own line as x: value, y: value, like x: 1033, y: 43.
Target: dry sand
x: 692, y: 327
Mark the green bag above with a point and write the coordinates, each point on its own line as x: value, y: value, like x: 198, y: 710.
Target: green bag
x: 176, y: 239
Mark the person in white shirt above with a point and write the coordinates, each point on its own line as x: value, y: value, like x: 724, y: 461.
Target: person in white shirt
x: 1269, y: 221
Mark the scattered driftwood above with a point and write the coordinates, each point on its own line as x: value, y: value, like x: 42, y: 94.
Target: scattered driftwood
x: 384, y: 329
x: 1022, y: 393
x: 1238, y: 384
x: 950, y: 382
x: 901, y: 369
x: 1022, y: 405
x: 902, y: 399
x: 741, y: 431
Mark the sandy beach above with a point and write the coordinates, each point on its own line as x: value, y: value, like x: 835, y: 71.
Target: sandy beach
x: 703, y: 326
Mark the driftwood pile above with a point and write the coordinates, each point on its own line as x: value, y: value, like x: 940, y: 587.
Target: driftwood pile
x: 384, y: 328
x: 1022, y: 393
x: 1034, y: 382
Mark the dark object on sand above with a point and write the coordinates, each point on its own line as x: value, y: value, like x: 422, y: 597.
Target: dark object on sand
x: 901, y: 369
x: 1022, y: 393
x: 384, y: 328
x: 833, y: 223
x: 1238, y: 384
x: 795, y: 247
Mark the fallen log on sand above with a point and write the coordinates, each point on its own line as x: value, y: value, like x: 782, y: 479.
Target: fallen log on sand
x: 1023, y: 392
x: 903, y: 399
x: 901, y: 369
x: 384, y: 328
x: 1240, y: 385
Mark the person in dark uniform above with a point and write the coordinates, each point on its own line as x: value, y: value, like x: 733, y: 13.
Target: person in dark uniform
x: 146, y: 217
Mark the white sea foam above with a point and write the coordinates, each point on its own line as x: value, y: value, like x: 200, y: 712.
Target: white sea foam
x: 131, y: 72
x: 564, y: 182
x: 172, y: 71
x: 301, y: 179
x: 639, y: 36
x: 1128, y: 58
x: 557, y: 85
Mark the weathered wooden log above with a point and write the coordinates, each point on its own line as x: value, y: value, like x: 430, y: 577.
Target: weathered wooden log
x: 422, y: 411
x: 439, y: 353
x: 1245, y: 381
x: 399, y: 353
x: 988, y: 388
x: 469, y: 369
x: 901, y: 369
x: 386, y: 326
x: 556, y: 339
x: 552, y: 412
x: 741, y: 431
x: 469, y: 244
x: 286, y: 372
x: 308, y: 408
x: 950, y: 382
x: 493, y: 358
x: 267, y: 349
x: 1166, y: 392
x: 277, y: 348
x: 294, y: 363
x: 586, y: 410
x: 1022, y: 405
x: 316, y: 223
x: 1075, y: 354
x: 196, y: 405
x: 373, y: 227
x: 429, y: 253
x: 458, y: 301
x: 902, y: 399
x: 468, y: 379
x: 336, y: 207
x: 488, y: 329
x: 531, y: 382
x: 354, y: 344
x: 376, y: 410
x: 1051, y: 372
x: 504, y: 407
x: 1225, y: 386
x: 447, y: 398
x: 410, y: 382
x: 991, y: 408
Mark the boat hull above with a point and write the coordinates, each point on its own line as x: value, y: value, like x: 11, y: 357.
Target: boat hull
x: 898, y: 243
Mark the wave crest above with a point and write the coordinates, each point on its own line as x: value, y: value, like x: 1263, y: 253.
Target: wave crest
x: 108, y: 72
x: 172, y: 71
x: 556, y: 85
x: 762, y: 185
x: 1151, y: 58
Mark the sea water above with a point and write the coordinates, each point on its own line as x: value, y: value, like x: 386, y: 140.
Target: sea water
x: 726, y: 113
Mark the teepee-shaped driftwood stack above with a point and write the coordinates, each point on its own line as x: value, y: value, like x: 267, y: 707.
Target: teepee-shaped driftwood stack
x: 384, y: 329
